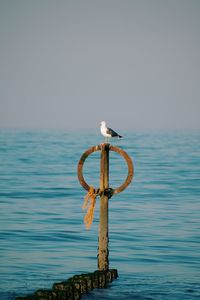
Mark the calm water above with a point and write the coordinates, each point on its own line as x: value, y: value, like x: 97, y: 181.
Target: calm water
x: 154, y: 224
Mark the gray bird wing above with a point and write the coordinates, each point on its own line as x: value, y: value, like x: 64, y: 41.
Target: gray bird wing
x: 112, y: 132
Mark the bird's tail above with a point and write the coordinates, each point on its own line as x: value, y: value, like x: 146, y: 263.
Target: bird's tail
x: 120, y: 136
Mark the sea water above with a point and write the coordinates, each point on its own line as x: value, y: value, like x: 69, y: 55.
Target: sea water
x: 154, y: 225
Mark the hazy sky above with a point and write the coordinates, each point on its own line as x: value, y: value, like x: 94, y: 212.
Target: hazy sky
x: 71, y: 64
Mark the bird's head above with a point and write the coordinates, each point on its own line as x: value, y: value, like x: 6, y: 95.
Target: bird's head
x: 103, y: 123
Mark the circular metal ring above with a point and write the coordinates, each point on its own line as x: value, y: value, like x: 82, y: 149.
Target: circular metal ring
x: 111, y: 148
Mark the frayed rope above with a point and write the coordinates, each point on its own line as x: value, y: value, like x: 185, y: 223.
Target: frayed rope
x: 90, y: 197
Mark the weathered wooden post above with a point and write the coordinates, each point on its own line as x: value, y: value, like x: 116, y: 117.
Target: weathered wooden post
x: 105, y: 193
x: 103, y: 262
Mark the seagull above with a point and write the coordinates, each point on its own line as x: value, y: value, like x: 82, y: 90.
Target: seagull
x: 108, y: 132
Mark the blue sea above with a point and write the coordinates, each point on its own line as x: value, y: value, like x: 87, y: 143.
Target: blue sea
x: 154, y: 225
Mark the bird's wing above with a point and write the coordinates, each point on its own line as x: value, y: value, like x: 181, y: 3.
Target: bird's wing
x: 111, y: 132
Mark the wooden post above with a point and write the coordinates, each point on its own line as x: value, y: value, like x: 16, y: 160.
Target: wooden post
x: 103, y: 263
x: 105, y: 193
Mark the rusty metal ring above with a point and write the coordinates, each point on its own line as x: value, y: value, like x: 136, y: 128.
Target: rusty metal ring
x: 112, y: 148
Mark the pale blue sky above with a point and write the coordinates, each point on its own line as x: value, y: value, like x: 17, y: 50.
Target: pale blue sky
x: 70, y: 64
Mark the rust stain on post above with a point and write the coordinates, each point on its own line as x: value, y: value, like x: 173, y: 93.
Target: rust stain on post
x: 103, y: 262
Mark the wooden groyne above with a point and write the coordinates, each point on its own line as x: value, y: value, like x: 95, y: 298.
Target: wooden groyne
x: 74, y: 287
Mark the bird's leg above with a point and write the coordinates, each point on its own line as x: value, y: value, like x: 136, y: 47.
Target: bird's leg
x: 107, y: 139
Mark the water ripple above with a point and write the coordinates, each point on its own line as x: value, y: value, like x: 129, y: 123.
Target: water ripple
x: 154, y: 225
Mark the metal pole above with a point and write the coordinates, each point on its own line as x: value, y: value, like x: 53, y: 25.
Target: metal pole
x: 103, y: 263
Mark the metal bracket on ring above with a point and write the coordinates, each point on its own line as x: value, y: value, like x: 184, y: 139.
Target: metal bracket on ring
x: 111, y: 148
